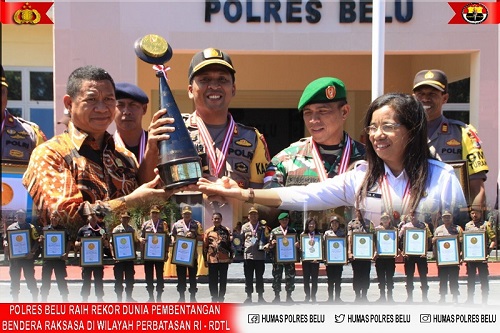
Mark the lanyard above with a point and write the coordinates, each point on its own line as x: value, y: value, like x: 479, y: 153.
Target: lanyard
x: 344, y: 161
x: 142, y: 144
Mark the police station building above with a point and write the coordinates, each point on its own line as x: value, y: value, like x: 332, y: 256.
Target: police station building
x: 277, y: 48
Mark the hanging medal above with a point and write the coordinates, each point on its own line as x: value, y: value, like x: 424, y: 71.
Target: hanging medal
x: 387, y: 198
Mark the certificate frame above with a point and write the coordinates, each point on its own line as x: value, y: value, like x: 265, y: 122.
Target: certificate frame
x: 415, y: 242
x: 283, y: 255
x: 311, y: 252
x: 19, y: 243
x: 358, y: 241
x: 447, y: 250
x: 462, y: 173
x: 14, y: 194
x: 339, y: 243
x: 390, y: 238
x: 184, y: 251
x: 126, y: 248
x: 91, y: 251
x: 472, y: 249
x: 56, y: 250
x: 152, y: 238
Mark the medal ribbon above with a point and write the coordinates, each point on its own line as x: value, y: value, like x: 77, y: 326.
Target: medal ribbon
x: 216, y: 165
x: 163, y: 69
x: 142, y: 144
x: 344, y: 161
x: 283, y: 230
x: 387, y: 199
x: 254, y: 230
x: 155, y: 228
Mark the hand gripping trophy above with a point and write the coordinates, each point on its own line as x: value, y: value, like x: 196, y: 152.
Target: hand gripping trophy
x: 179, y: 163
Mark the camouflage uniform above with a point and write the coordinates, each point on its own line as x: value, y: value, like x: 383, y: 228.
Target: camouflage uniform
x: 295, y: 166
x: 288, y: 267
x: 254, y: 256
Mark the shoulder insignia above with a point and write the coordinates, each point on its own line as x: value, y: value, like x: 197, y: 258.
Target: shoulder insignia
x: 243, y: 143
x: 453, y: 142
x: 444, y: 128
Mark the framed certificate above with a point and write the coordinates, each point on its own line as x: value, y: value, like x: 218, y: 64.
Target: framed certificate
x: 335, y: 250
x: 123, y: 246
x: 462, y: 173
x: 387, y: 243
x: 54, y: 244
x: 155, y: 246
x: 19, y: 243
x: 312, y: 247
x: 285, y: 249
x: 474, y: 246
x: 447, y: 249
x: 362, y: 245
x: 91, y: 251
x: 184, y: 250
x: 415, y: 242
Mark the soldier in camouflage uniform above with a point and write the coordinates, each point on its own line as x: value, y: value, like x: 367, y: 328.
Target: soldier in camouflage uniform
x: 482, y: 267
x: 360, y: 267
x: 278, y: 268
x: 326, y: 153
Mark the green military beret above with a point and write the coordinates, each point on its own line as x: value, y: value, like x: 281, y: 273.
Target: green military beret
x: 323, y: 90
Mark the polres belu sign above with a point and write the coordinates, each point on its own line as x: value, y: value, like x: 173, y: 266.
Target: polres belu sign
x: 298, y: 11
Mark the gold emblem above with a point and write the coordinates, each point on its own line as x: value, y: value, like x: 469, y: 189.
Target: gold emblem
x: 362, y: 241
x: 386, y: 237
x: 473, y: 240
x: 7, y: 194
x: 330, y: 92
x: 285, y: 242
x: 91, y: 246
x: 236, y: 241
x: 446, y: 245
x: 27, y: 15
x: 212, y: 53
x: 53, y: 239
x: 312, y: 249
x: 415, y: 236
x: 123, y: 241
x: 311, y: 242
x: 243, y: 143
x: 154, y: 240
x: 336, y: 245
x: 453, y: 142
x: 153, y: 45
x: 429, y: 75
x: 19, y: 238
x: 184, y: 246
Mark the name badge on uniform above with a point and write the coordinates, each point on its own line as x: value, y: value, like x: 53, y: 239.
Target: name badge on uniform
x: 253, y: 240
x: 374, y: 195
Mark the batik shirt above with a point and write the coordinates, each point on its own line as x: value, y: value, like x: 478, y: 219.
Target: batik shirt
x: 71, y: 169
x: 217, y: 245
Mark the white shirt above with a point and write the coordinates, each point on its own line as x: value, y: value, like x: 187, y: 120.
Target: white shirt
x: 444, y: 192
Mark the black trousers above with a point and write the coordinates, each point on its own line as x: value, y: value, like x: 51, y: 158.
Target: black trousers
x: 28, y: 268
x: 217, y: 279
x: 421, y: 263
x: 448, y: 274
x: 87, y: 273
x: 334, y: 276
x: 361, y: 275
x: 59, y: 268
x: 182, y: 277
x: 121, y: 270
x: 151, y: 266
x: 385, y: 268
x: 482, y: 270
x: 310, y: 271
x: 250, y: 267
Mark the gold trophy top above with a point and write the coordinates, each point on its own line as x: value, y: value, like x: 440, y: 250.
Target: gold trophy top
x: 153, y: 45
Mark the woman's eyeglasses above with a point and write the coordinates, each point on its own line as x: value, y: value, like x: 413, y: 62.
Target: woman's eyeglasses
x: 385, y: 128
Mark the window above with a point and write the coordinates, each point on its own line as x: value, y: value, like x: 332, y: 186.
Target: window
x: 458, y: 106
x: 31, y: 95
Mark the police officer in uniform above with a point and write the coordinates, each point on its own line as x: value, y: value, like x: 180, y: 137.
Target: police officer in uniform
x: 360, y: 267
x: 256, y: 233
x: 125, y: 267
x: 334, y: 271
x: 385, y: 265
x: 187, y: 227
x: 481, y: 268
x: 451, y: 139
x: 448, y: 273
x: 27, y: 264
x: 19, y: 137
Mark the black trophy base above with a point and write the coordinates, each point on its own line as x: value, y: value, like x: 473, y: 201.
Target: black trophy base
x: 181, y: 172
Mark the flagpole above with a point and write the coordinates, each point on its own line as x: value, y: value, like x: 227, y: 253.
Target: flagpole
x: 378, y: 48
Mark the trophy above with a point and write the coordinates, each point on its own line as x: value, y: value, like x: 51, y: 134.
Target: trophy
x: 179, y: 163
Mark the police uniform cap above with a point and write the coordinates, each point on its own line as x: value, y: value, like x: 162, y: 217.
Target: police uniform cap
x: 208, y: 57
x: 21, y: 211
x: 446, y: 213
x: 154, y: 209
x: 323, y: 90
x: 126, y: 214
x: 129, y: 90
x: 187, y: 209
x: 252, y: 210
x: 431, y: 77
x: 282, y: 216
x: 385, y: 215
x: 4, y: 79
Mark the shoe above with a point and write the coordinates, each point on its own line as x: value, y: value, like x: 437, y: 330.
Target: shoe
x: 289, y: 298
x: 470, y: 300
x: 100, y: 300
x: 44, y: 299
x: 307, y: 298
x: 261, y: 299
x: 182, y: 298
x: 158, y: 297
x: 442, y: 299
x: 129, y: 299
x: 119, y: 299
x: 192, y: 298
x: 85, y: 299
x: 65, y: 298
x: 455, y: 299
x: 248, y: 300
x: 277, y: 298
x: 313, y: 299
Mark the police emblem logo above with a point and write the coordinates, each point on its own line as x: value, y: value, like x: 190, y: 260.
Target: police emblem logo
x: 330, y: 92
x: 429, y: 75
x: 27, y: 15
x: 243, y: 143
x: 453, y: 142
x: 212, y: 53
x: 16, y: 153
x: 475, y: 13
